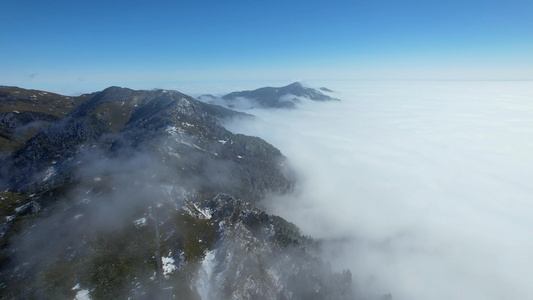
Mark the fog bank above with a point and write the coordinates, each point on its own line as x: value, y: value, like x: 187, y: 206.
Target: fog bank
x: 423, y: 189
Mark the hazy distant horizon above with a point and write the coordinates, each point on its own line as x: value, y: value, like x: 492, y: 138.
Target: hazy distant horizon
x: 219, y: 88
x: 80, y: 46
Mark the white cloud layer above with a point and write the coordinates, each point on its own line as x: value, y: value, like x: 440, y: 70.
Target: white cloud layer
x: 424, y: 189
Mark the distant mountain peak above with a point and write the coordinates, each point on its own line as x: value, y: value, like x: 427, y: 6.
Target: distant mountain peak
x: 296, y: 84
x: 277, y: 97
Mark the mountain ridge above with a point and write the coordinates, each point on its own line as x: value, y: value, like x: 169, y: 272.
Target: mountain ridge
x: 144, y: 194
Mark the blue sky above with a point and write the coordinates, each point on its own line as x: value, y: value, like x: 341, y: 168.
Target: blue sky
x: 81, y: 46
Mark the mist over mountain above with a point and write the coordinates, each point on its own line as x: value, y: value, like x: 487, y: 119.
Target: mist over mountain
x: 363, y: 150
x: 423, y: 187
x: 409, y: 190
x: 270, y: 97
x: 146, y: 195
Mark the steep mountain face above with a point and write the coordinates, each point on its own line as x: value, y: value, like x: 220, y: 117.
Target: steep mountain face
x: 145, y: 195
x: 277, y: 97
x: 254, y: 245
x: 168, y: 122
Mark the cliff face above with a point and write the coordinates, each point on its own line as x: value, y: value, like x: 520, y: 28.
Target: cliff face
x: 145, y: 194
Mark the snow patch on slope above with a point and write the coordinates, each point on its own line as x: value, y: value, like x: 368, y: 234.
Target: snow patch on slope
x: 140, y: 222
x: 195, y: 211
x: 49, y: 173
x: 81, y: 294
x: 168, y: 265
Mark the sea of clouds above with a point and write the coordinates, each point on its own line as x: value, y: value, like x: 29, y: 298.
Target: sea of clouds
x: 423, y: 189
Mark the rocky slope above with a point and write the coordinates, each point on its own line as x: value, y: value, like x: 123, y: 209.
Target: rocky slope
x: 145, y: 195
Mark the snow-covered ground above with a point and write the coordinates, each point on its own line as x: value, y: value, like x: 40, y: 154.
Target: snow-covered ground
x: 168, y: 265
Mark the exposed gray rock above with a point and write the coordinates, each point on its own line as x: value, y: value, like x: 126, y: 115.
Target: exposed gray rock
x: 259, y: 256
